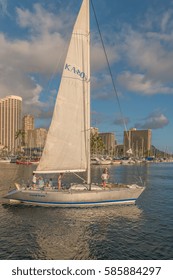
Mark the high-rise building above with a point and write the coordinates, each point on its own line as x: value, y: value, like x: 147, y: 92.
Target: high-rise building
x: 27, y: 125
x: 36, y: 138
x: 138, y: 140
x: 10, y: 122
x: 28, y: 122
x: 108, y: 139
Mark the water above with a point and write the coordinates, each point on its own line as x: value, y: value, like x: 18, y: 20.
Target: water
x: 142, y: 231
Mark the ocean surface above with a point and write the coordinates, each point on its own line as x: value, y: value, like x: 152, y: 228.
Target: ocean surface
x: 141, y: 231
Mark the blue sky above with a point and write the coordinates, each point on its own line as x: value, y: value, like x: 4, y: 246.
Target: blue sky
x: 138, y: 37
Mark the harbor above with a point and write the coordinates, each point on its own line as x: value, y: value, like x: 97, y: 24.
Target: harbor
x: 141, y: 231
x: 86, y: 152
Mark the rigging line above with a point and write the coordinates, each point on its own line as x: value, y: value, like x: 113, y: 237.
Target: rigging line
x: 79, y: 177
x: 109, y: 68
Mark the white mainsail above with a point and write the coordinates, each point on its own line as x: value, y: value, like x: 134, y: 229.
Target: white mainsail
x: 67, y: 145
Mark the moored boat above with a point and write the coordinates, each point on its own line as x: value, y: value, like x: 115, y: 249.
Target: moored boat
x: 5, y: 160
x: 24, y: 162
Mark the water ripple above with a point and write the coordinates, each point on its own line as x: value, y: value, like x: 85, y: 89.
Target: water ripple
x: 142, y: 231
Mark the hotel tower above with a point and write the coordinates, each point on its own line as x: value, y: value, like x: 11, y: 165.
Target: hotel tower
x: 27, y: 127
x: 10, y: 122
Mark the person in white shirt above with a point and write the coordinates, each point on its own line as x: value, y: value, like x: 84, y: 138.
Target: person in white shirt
x: 105, y: 177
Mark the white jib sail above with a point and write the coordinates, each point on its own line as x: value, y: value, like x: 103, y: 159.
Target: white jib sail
x: 67, y: 143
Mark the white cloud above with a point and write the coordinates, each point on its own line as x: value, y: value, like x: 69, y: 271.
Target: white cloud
x: 98, y: 59
x: 150, y: 56
x: 39, y: 54
x: 18, y: 60
x: 40, y: 21
x: 121, y: 121
x: 147, y: 52
x: 155, y: 120
x: 139, y: 83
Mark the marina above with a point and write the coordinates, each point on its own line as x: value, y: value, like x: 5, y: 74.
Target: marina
x: 141, y: 231
x: 73, y: 184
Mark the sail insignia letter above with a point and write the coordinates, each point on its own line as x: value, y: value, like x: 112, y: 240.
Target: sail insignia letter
x: 76, y: 71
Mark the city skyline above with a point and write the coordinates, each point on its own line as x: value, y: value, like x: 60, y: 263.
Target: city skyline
x: 13, y: 125
x: 139, y: 45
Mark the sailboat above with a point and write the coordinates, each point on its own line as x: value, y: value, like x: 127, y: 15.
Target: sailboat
x: 67, y: 148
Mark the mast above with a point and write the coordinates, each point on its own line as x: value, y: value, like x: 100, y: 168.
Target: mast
x: 88, y: 103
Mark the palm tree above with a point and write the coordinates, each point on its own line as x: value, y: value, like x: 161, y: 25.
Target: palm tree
x: 20, y: 135
x: 97, y: 145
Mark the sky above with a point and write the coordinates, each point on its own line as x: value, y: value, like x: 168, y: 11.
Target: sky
x: 138, y: 38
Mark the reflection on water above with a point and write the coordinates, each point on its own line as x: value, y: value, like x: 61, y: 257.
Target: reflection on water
x: 44, y: 233
x: 115, y: 232
x: 78, y: 233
